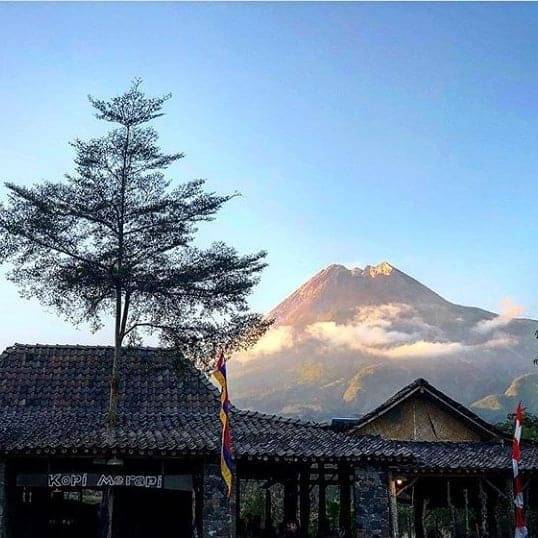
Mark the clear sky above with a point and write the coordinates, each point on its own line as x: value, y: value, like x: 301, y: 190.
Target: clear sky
x: 356, y: 132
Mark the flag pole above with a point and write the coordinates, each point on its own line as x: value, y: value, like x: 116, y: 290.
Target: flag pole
x: 520, y: 526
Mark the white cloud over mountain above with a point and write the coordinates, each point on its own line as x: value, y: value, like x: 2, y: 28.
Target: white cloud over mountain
x: 392, y: 330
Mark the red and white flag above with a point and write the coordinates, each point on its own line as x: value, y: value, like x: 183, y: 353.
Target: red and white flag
x: 521, y: 526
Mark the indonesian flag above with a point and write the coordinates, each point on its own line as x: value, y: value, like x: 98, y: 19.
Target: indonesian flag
x: 226, y: 457
x: 521, y: 527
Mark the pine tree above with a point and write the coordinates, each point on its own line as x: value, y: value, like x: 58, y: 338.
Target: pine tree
x: 116, y: 239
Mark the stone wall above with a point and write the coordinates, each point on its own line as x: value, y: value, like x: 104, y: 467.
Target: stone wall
x: 217, y: 519
x: 372, y: 503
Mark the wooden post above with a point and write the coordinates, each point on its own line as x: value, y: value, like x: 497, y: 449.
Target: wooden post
x: 345, y: 501
x: 290, y: 499
x: 419, y: 511
x: 268, y: 511
x: 322, y: 513
x: 197, y: 504
x: 482, y: 494
x: 393, y: 506
x: 304, y: 501
x: 451, y: 509
x: 493, y: 526
x: 510, y: 496
x: 466, y: 511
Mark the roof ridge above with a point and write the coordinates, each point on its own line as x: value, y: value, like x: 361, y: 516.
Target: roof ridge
x: 82, y: 346
x: 280, y: 419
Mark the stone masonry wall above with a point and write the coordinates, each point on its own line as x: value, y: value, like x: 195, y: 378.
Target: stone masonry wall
x: 217, y: 519
x: 372, y: 503
x: 3, y: 500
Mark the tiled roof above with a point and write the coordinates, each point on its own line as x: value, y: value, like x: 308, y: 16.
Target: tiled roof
x: 422, y: 386
x: 468, y: 456
x: 53, y: 399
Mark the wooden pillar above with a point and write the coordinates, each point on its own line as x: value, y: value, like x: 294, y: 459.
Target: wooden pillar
x: 419, y: 512
x: 493, y: 526
x: 451, y: 509
x: 510, y: 495
x: 393, y: 506
x: 466, y: 511
x: 268, y: 511
x: 106, y: 516
x: 345, y: 500
x: 197, y: 503
x: 483, y: 498
x: 322, y: 510
x: 304, y: 501
x: 290, y: 499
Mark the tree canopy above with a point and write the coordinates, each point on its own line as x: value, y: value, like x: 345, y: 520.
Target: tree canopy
x: 117, y: 239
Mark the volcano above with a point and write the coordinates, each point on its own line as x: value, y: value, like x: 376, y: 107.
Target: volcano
x: 349, y: 338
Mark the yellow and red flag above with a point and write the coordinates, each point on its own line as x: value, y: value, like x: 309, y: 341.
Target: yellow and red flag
x: 226, y: 458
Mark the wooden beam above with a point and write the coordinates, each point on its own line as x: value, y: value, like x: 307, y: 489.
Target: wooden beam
x: 496, y: 489
x: 406, y: 487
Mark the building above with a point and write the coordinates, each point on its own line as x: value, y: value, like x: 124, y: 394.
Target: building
x: 61, y: 468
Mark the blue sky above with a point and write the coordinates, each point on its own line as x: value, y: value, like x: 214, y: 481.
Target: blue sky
x: 355, y: 132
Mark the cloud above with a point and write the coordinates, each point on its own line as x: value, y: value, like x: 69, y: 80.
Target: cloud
x: 498, y: 340
x: 421, y: 348
x: 509, y: 311
x: 373, y: 327
x: 355, y: 336
x: 393, y: 331
x: 276, y: 340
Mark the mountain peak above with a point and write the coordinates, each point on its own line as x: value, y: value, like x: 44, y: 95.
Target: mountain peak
x: 381, y: 269
x: 337, y: 292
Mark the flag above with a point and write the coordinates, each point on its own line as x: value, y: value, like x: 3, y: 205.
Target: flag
x: 226, y: 460
x: 521, y: 527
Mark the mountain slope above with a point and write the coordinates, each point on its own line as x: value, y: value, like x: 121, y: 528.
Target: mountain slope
x: 348, y: 338
x: 497, y: 406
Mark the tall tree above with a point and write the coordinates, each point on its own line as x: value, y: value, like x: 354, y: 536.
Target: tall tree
x: 115, y: 238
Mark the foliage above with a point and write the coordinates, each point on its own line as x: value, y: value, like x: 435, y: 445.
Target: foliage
x: 529, y: 429
x: 117, y: 239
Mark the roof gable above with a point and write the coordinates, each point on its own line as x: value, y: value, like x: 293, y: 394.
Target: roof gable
x: 421, y: 387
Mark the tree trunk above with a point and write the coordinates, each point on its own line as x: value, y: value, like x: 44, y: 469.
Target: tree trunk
x: 112, y: 418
